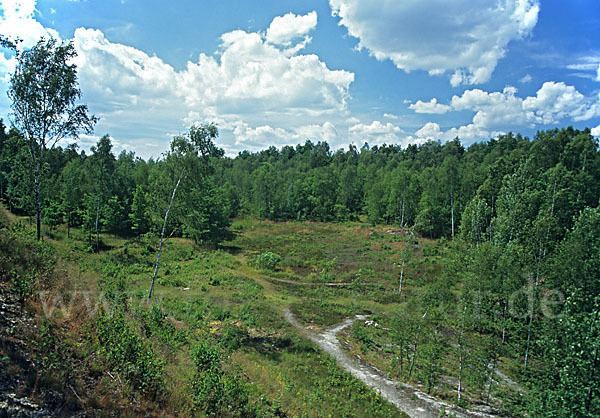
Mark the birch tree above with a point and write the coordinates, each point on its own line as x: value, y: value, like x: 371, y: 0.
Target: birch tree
x: 44, y: 93
x: 189, y: 153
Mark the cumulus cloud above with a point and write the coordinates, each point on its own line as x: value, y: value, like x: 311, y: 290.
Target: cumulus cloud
x: 596, y: 131
x: 247, y: 75
x: 553, y: 102
x: 432, y: 131
x: 431, y: 106
x: 467, y: 37
x: 255, y: 139
x: 248, y: 84
x: 259, y: 87
x: 284, y: 29
x: 17, y: 21
x: 376, y: 132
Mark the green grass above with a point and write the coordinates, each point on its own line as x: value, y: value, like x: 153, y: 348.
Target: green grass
x: 225, y: 295
x: 222, y: 294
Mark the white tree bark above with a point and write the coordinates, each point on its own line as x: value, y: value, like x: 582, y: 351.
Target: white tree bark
x: 162, y: 235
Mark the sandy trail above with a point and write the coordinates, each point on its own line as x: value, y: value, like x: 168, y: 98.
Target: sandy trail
x: 408, y: 399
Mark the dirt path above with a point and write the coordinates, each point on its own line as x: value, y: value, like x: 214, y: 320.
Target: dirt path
x: 408, y: 399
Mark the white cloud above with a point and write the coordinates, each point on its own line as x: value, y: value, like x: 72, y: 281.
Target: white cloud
x: 284, y: 29
x: 467, y: 37
x: 587, y: 67
x: 527, y: 78
x: 256, y: 86
x: 494, y: 110
x: 390, y: 116
x: 596, y: 131
x: 432, y: 131
x: 17, y: 21
x: 250, y: 87
x: 375, y: 133
x: 553, y: 102
x: 255, y: 139
x: 431, y: 106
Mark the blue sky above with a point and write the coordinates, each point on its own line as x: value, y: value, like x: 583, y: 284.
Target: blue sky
x: 344, y: 71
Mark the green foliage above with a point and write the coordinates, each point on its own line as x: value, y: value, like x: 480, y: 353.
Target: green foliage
x: 44, y: 95
x: 52, y: 214
x: 23, y: 283
x: 126, y: 352
x: 24, y: 262
x: 216, y: 393
x: 155, y: 323
x: 268, y: 261
x: 568, y: 383
x: 362, y: 333
x: 139, y: 212
x: 233, y: 337
x: 51, y: 350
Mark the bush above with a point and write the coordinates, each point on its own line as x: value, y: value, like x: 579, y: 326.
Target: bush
x: 126, y: 352
x: 233, y: 337
x: 214, y: 392
x: 23, y: 283
x: 155, y: 323
x: 268, y: 261
x: 362, y: 334
x: 26, y: 263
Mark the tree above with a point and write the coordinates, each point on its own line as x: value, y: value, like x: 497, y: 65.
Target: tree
x: 101, y: 168
x: 71, y: 192
x: 187, y: 151
x: 44, y: 92
x: 569, y: 380
x: 139, y: 212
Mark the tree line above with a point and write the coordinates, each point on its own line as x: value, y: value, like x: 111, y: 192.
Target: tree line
x: 429, y: 186
x: 433, y: 187
x: 121, y: 195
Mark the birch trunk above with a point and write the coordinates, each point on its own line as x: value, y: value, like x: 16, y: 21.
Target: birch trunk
x: 401, y: 277
x: 460, y: 352
x: 97, y: 217
x: 38, y: 206
x: 162, y: 235
x: 452, y: 212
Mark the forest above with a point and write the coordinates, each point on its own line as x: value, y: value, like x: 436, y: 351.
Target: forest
x: 476, y: 270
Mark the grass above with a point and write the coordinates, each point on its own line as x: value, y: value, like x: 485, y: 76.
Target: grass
x: 221, y: 295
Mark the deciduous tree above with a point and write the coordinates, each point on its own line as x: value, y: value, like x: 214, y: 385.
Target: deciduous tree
x: 44, y: 93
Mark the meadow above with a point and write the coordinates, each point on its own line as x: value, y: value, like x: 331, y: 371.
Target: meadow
x: 214, y: 339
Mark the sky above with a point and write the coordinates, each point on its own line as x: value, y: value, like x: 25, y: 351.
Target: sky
x: 274, y: 73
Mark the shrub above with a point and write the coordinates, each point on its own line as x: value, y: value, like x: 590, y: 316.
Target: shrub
x: 361, y: 333
x: 26, y: 263
x: 214, y: 392
x: 268, y: 261
x: 233, y: 337
x: 155, y: 323
x: 126, y: 352
x: 23, y: 283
